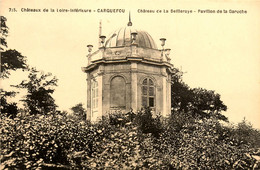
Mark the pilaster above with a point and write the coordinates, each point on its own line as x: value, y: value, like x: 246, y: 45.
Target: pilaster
x: 134, y: 86
x: 88, y: 97
x: 100, y: 96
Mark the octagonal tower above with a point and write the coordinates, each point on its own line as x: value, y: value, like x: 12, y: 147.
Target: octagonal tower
x: 126, y: 73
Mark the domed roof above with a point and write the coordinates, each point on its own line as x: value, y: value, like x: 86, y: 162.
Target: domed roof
x: 122, y: 38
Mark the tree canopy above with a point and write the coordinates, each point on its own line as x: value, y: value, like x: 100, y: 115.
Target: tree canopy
x: 10, y: 60
x: 79, y: 111
x: 39, y: 88
x: 200, y: 102
x: 3, y: 32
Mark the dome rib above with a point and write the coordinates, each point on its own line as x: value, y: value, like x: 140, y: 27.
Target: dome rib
x: 120, y: 40
x: 151, y: 41
x: 147, y: 40
x: 124, y: 39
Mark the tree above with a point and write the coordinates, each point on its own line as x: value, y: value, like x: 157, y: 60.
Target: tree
x: 9, y: 108
x: 200, y: 102
x: 79, y: 111
x: 207, y: 103
x: 246, y: 134
x: 4, y: 33
x: 10, y: 60
x: 39, y: 88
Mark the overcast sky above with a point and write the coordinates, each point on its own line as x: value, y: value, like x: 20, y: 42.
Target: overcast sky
x: 217, y: 51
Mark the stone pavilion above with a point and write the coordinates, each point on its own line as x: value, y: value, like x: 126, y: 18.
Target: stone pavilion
x: 128, y: 72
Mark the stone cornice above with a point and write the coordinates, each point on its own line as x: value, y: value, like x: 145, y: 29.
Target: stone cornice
x: 95, y: 63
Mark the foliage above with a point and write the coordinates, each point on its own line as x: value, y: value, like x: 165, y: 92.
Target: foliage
x: 125, y: 148
x: 32, y: 141
x: 205, y: 144
x: 56, y: 141
x: 178, y: 120
x: 147, y: 123
x: 12, y: 60
x: 3, y: 32
x: 245, y: 133
x: 200, y: 102
x: 144, y: 121
x: 39, y: 88
x: 79, y: 111
x: 10, y: 109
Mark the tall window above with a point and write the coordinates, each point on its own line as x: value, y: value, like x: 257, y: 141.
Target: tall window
x: 94, y: 94
x: 148, y: 93
x: 118, y: 93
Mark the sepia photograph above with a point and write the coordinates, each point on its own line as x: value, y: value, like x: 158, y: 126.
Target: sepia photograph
x: 146, y: 84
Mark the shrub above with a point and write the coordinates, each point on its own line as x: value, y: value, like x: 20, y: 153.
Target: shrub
x: 200, y: 145
x: 124, y: 148
x: 124, y: 141
x: 33, y: 140
x: 147, y: 123
x: 244, y: 133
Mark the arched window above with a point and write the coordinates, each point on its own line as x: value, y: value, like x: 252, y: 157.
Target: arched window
x: 148, y: 93
x: 118, y: 93
x: 94, y: 94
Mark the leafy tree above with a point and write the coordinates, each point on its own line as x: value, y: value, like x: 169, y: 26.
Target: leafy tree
x: 9, y: 108
x: 10, y: 60
x: 39, y: 88
x: 200, y: 102
x: 4, y: 33
x: 246, y: 134
x: 79, y: 111
x: 208, y: 104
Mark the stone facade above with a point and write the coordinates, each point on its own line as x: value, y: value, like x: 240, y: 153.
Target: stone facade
x: 128, y: 73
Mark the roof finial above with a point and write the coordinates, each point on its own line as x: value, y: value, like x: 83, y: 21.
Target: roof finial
x: 129, y: 23
x: 100, y: 33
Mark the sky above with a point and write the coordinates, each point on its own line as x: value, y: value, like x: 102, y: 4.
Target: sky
x: 217, y: 51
